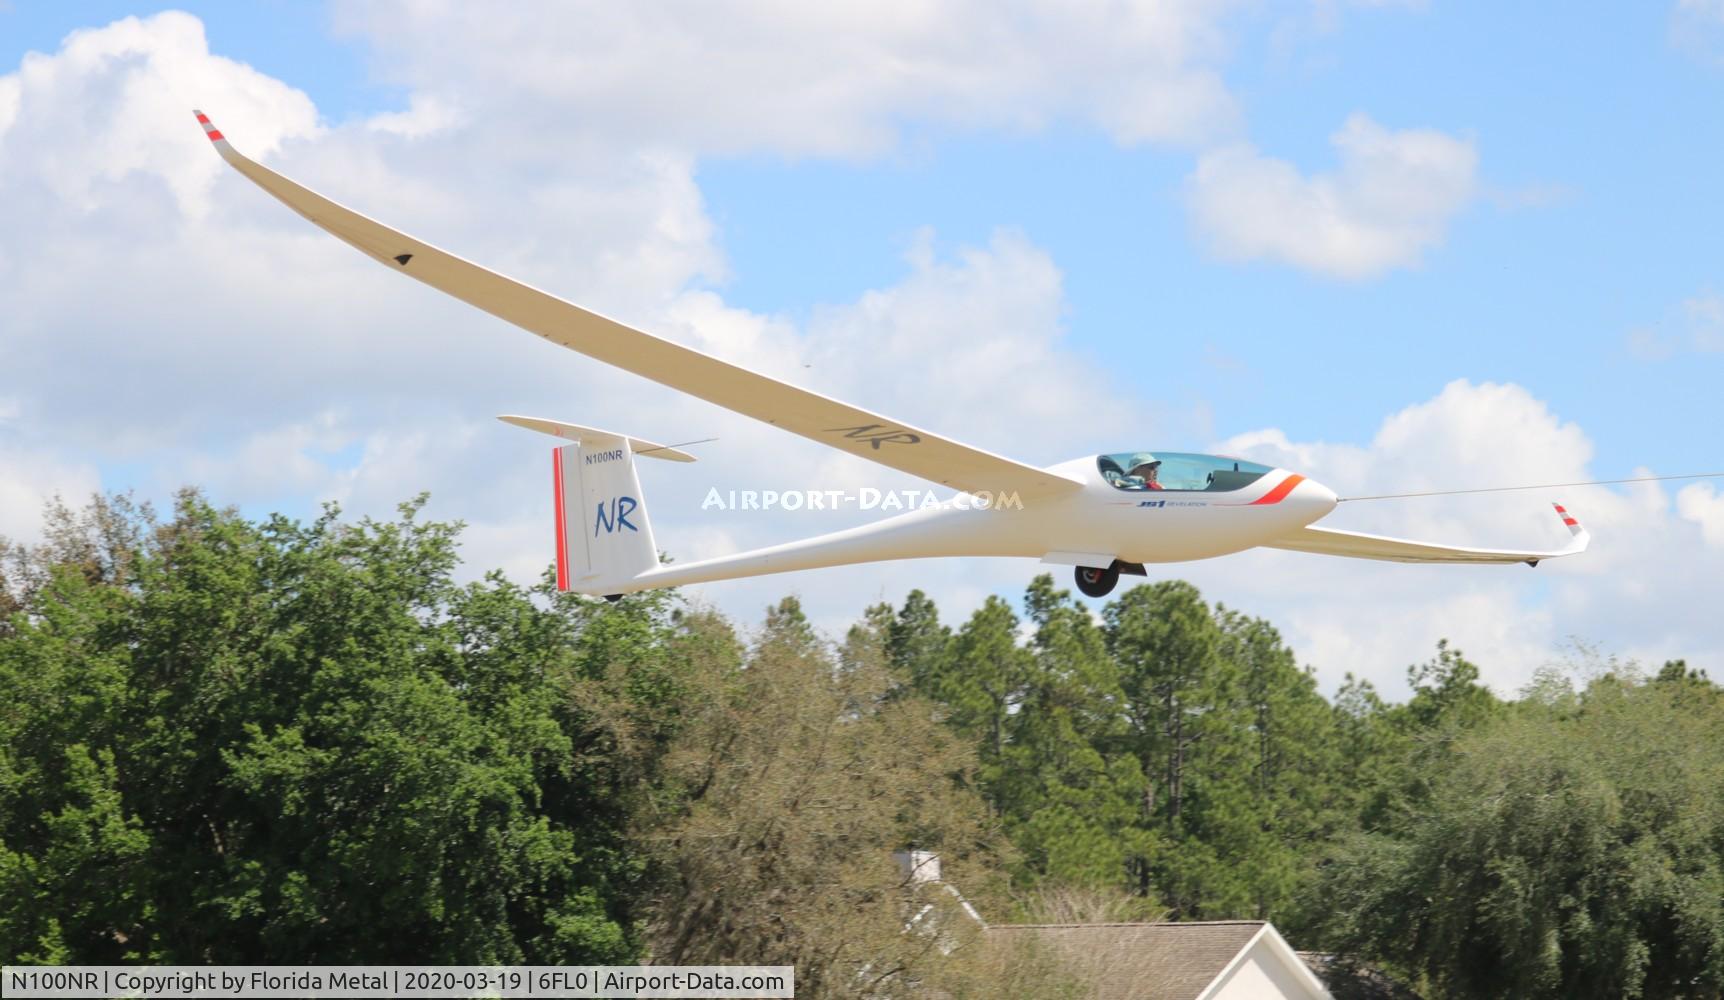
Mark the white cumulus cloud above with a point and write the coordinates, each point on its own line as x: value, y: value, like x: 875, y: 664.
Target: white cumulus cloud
x: 29, y: 478
x: 812, y: 79
x: 112, y: 106
x: 1390, y: 200
x: 1705, y: 315
x: 1645, y: 588
x: 1698, y: 27
x: 1697, y: 326
x: 1702, y: 504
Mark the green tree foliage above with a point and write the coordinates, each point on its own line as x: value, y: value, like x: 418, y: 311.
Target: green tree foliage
x: 287, y: 743
x: 981, y: 682
x: 275, y: 742
x: 1394, y: 751
x: 1281, y: 792
x: 1068, y: 790
x: 799, y: 778
x: 1447, y: 696
x: 1573, y: 848
x: 1179, y: 697
x: 1238, y: 747
x: 238, y: 742
x: 916, y: 642
x: 1176, y: 752
x: 1371, y: 753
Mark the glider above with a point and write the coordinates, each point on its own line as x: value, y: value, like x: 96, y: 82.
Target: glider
x: 1104, y: 515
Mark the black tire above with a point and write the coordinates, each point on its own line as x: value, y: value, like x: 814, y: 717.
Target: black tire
x: 1096, y: 582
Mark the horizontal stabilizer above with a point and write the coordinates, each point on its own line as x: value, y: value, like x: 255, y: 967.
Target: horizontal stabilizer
x: 575, y: 432
x: 1358, y: 545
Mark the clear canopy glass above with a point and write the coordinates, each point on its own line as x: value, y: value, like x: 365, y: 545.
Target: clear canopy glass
x: 1143, y: 471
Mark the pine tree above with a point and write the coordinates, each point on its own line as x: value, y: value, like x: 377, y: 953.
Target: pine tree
x: 1179, y: 698
x: 1069, y: 793
x: 916, y: 642
x: 982, y: 685
x: 1291, y: 805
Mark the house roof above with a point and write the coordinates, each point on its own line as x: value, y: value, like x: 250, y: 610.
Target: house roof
x: 1168, y: 961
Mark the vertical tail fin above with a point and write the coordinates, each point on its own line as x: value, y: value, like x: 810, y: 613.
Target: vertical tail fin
x: 603, y: 535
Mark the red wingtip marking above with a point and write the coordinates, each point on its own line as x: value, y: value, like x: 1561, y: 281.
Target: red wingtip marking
x: 1279, y: 493
x: 214, y: 135
x: 202, y: 117
x: 1571, y: 522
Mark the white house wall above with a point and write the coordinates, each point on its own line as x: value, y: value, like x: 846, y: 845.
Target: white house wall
x: 1262, y: 975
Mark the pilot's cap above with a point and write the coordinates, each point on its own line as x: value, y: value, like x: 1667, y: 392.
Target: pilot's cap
x: 1141, y: 459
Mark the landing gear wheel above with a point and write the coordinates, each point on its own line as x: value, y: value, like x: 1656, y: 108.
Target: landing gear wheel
x: 1096, y: 582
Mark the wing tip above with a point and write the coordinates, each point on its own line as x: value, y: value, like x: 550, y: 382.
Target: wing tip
x: 573, y: 432
x: 1581, y: 538
x: 552, y: 427
x: 211, y: 132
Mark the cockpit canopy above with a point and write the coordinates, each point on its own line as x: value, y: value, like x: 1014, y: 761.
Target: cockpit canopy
x: 1140, y: 471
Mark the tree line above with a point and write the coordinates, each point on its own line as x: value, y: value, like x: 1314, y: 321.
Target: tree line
x: 276, y: 742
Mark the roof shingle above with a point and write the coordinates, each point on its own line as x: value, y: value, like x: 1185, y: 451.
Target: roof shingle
x: 1165, y: 961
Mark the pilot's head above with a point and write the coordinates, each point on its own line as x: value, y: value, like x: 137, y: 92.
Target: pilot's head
x: 1145, y: 466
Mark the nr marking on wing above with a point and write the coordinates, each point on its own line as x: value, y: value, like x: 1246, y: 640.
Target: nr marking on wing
x: 878, y: 434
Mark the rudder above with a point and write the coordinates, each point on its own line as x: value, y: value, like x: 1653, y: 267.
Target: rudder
x: 603, y: 536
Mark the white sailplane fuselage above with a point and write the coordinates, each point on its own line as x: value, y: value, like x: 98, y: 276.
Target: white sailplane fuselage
x: 1093, y: 526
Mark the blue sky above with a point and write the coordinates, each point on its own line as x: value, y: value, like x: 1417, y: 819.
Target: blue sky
x: 1598, y: 146
x: 1515, y: 197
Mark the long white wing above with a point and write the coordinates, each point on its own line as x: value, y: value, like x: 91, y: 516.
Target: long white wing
x: 867, y: 435
x: 1358, y: 545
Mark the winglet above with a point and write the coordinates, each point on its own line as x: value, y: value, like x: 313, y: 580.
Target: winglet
x: 1582, y: 537
x: 221, y: 144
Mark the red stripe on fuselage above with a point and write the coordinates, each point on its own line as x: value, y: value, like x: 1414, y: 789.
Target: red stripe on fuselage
x: 562, y: 520
x: 1279, y: 493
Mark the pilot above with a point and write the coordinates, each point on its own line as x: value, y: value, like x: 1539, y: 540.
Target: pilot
x: 1144, y: 468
